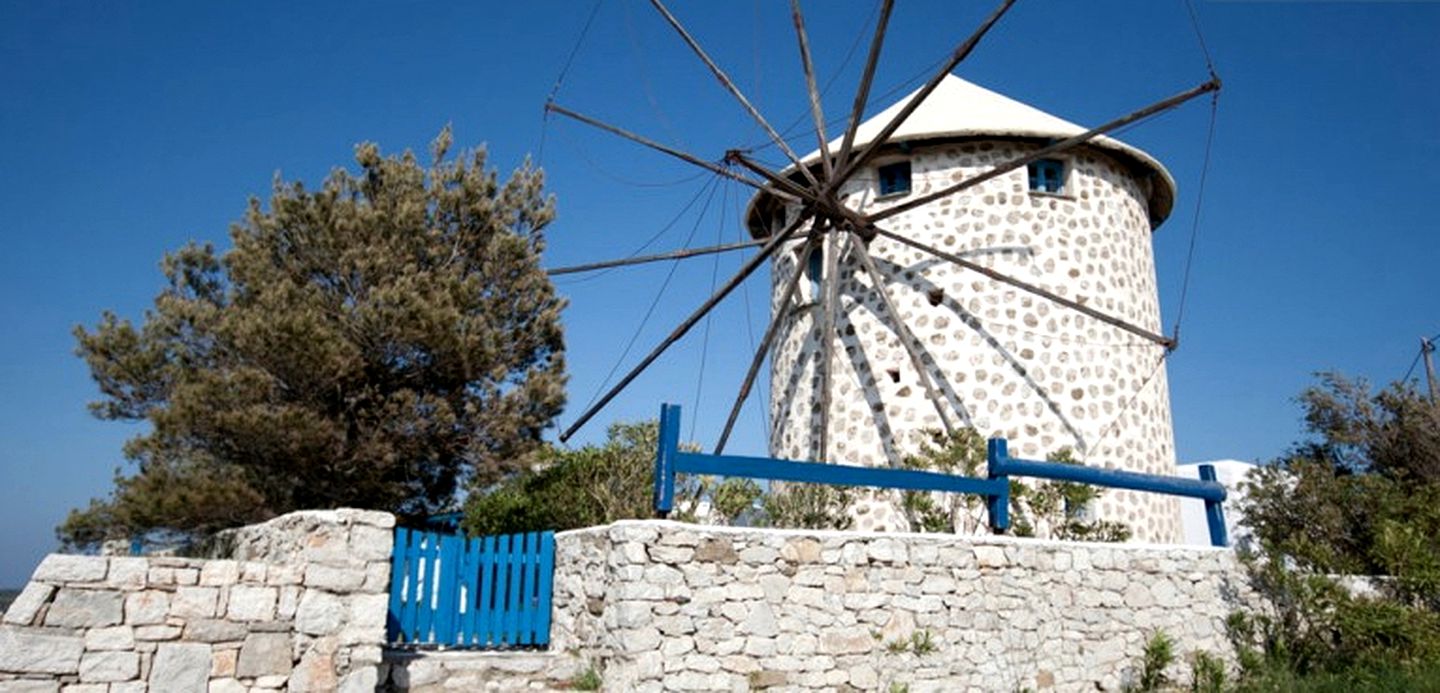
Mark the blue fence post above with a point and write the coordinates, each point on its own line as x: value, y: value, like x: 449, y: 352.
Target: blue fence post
x: 998, y: 502
x: 1214, y: 511
x: 669, y: 447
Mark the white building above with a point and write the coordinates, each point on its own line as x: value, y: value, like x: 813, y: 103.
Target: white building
x: 1231, y: 473
x: 1005, y: 361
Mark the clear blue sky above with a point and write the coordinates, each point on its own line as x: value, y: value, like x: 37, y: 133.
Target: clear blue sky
x: 127, y: 129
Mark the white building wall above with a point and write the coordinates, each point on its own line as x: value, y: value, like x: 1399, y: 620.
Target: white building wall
x: 1231, y: 473
x: 1006, y: 362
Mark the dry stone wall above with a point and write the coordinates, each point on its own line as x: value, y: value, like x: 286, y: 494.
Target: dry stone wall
x: 297, y: 603
x: 668, y: 606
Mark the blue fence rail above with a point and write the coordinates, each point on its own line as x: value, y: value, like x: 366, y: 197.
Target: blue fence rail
x: 670, y: 460
x: 485, y: 592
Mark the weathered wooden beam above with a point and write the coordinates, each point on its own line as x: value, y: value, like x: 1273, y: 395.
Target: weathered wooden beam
x: 1136, y: 330
x: 960, y: 53
x: 666, y: 149
x: 907, y: 339
x: 1068, y: 143
x: 777, y: 182
x: 829, y: 306
x: 758, y: 360
x: 657, y: 257
x: 741, y: 275
x: 734, y: 90
x: 862, y: 93
x: 817, y: 112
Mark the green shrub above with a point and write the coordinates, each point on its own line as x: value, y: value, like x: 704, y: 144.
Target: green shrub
x: 1207, y: 673
x: 1159, y: 654
x: 588, y: 680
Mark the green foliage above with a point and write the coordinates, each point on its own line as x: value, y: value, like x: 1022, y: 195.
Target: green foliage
x: 1159, y: 654
x: 1359, y: 496
x: 1054, y: 508
x: 961, y: 452
x: 1314, y: 624
x: 378, y: 342
x: 921, y: 643
x: 588, y: 680
x: 734, y: 497
x: 807, y: 506
x: 1421, y: 676
x: 1062, y: 507
x: 599, y: 484
x: 1207, y: 673
x: 568, y: 489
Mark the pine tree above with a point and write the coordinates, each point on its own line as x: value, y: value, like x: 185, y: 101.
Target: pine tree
x: 381, y: 342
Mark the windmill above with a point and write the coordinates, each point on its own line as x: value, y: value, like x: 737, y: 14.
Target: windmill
x: 971, y: 262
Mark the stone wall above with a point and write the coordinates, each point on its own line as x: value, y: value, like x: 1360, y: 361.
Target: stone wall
x: 657, y: 605
x: 297, y: 603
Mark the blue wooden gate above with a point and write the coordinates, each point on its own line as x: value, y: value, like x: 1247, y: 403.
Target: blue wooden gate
x: 486, y: 592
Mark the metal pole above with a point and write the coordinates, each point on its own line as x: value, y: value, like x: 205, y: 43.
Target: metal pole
x: 1427, y: 347
x: 668, y: 447
x: 1214, y: 511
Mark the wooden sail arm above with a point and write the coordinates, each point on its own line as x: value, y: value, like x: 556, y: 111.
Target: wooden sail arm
x: 771, y: 331
x: 862, y: 93
x: 776, y: 181
x: 748, y: 268
x: 729, y: 85
x: 817, y: 112
x: 959, y: 54
x: 666, y: 149
x: 829, y: 307
x: 903, y: 333
x: 657, y: 257
x: 1136, y: 330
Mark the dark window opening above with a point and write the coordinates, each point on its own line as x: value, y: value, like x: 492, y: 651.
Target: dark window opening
x: 1047, y: 175
x: 895, y: 178
x: 815, y: 270
x: 935, y: 296
x: 894, y: 374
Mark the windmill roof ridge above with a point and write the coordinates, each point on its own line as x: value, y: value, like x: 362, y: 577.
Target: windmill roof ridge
x: 958, y: 108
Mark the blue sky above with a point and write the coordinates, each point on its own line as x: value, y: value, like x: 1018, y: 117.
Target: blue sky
x: 127, y: 130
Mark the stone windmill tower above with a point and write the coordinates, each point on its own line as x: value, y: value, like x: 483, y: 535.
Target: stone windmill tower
x: 958, y: 260
x: 964, y: 349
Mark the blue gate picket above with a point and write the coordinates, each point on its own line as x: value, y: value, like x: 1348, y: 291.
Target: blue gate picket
x: 487, y: 592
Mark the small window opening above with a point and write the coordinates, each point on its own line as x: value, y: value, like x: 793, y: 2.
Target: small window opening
x: 894, y: 374
x: 894, y: 178
x: 815, y: 270
x: 1047, y: 175
x: 935, y: 296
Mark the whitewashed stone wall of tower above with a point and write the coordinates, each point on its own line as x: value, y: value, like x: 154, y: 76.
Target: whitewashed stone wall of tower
x: 1006, y: 362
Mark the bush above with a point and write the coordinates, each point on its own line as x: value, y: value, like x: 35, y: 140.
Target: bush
x: 1359, y: 496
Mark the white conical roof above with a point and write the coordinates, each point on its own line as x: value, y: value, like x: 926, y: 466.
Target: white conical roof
x: 958, y: 108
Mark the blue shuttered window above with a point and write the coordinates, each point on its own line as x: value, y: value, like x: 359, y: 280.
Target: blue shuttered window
x: 1047, y: 175
x: 894, y: 178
